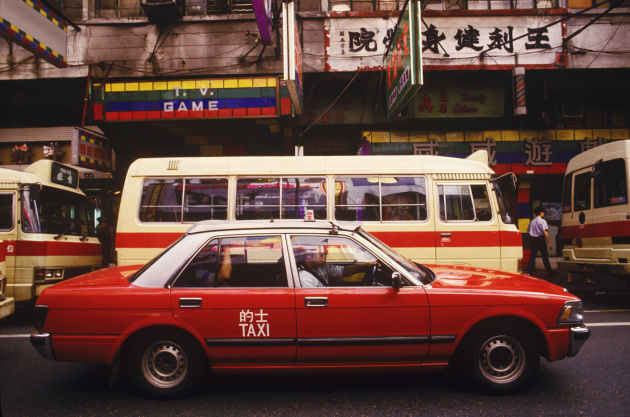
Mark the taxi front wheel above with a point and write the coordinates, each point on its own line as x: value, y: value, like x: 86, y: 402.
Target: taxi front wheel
x: 500, y: 358
x: 166, y: 365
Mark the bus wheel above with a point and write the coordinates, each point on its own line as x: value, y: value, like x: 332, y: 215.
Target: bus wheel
x: 166, y: 365
x: 500, y: 359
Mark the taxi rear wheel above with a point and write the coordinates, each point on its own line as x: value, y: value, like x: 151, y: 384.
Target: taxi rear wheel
x: 501, y: 358
x: 166, y: 365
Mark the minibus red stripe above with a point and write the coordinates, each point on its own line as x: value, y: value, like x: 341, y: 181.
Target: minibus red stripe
x: 145, y: 240
x: 34, y: 248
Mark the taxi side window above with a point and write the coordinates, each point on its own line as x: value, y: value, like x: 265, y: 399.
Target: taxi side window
x: 337, y: 262
x: 250, y: 261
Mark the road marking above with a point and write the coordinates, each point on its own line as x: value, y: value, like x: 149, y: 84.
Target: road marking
x: 607, y: 311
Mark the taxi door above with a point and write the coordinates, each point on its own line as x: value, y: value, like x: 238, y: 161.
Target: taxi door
x: 358, y: 321
x: 235, y: 293
x: 466, y: 227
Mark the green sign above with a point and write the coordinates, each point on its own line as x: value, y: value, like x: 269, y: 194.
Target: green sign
x: 404, y: 60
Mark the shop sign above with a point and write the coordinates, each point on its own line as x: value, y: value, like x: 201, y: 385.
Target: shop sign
x: 292, y: 51
x: 90, y: 150
x: 472, y: 96
x: 188, y: 99
x: 403, y: 61
x: 263, y: 12
x: 35, y: 27
x: 448, y: 41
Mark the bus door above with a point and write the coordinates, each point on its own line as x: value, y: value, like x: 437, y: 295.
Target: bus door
x: 466, y: 227
x: 8, y: 233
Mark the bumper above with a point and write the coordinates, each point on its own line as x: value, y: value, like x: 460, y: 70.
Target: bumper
x: 600, y: 267
x: 43, y: 343
x: 578, y: 336
x: 7, y: 307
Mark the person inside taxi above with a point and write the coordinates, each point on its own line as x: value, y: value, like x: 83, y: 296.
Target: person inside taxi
x: 315, y: 271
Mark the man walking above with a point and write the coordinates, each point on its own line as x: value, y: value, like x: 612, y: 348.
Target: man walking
x: 539, y: 240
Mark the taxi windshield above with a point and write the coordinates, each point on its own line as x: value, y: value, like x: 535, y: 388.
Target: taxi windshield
x: 421, y: 273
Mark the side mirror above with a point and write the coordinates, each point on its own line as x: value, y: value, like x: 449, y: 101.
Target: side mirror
x: 396, y: 280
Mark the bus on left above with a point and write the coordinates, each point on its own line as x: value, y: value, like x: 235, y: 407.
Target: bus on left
x: 46, y: 231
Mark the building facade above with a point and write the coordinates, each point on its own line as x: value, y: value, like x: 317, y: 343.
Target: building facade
x: 534, y: 82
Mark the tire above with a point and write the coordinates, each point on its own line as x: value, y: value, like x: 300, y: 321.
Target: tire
x: 500, y: 359
x: 166, y: 365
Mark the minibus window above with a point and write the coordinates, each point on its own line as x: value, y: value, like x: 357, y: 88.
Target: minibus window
x: 6, y: 211
x: 357, y: 199
x: 301, y: 194
x: 610, y: 187
x: 582, y: 192
x: 566, y: 194
x: 456, y: 203
x: 403, y: 198
x: 161, y: 200
x: 205, y: 199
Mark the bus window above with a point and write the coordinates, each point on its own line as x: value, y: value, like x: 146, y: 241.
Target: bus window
x: 280, y: 198
x: 582, y: 192
x: 566, y: 194
x: 609, y: 187
x: 58, y: 212
x: 205, y: 199
x: 161, y: 200
x: 403, y: 198
x: 6, y: 212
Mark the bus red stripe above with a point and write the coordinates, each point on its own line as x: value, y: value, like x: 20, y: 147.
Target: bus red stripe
x: 607, y: 229
x: 33, y: 248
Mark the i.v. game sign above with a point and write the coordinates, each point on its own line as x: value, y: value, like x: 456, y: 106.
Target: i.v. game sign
x: 404, y: 60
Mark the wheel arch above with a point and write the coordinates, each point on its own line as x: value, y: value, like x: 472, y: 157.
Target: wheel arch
x: 124, y: 349
x: 528, y: 325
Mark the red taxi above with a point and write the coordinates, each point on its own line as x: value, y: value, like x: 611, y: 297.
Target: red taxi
x: 238, y: 297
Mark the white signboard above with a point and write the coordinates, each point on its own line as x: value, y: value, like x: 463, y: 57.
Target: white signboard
x: 451, y: 41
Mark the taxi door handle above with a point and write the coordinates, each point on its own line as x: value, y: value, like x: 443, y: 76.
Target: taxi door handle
x: 315, y: 302
x: 189, y: 302
x: 445, y: 234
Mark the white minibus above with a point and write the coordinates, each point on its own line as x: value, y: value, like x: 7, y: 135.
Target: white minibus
x: 431, y: 209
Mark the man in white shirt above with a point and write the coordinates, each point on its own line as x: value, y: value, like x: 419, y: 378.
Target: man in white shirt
x: 539, y: 240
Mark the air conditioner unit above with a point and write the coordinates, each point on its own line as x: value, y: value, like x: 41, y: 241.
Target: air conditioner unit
x: 572, y: 110
x: 162, y: 10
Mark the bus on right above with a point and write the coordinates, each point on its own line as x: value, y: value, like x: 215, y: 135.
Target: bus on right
x: 595, y: 211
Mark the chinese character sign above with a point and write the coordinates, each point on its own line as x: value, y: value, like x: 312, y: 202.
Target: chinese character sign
x: 446, y: 40
x: 90, y: 150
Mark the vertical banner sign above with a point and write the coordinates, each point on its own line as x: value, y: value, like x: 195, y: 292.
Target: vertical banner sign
x: 403, y: 60
x: 34, y: 26
x: 263, y: 12
x: 292, y: 52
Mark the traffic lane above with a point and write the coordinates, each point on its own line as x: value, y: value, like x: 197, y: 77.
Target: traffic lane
x: 592, y: 383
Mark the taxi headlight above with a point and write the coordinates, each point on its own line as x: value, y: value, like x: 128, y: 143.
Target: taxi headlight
x: 572, y: 312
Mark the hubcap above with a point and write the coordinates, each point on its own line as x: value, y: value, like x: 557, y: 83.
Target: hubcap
x: 164, y: 364
x: 502, y: 359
